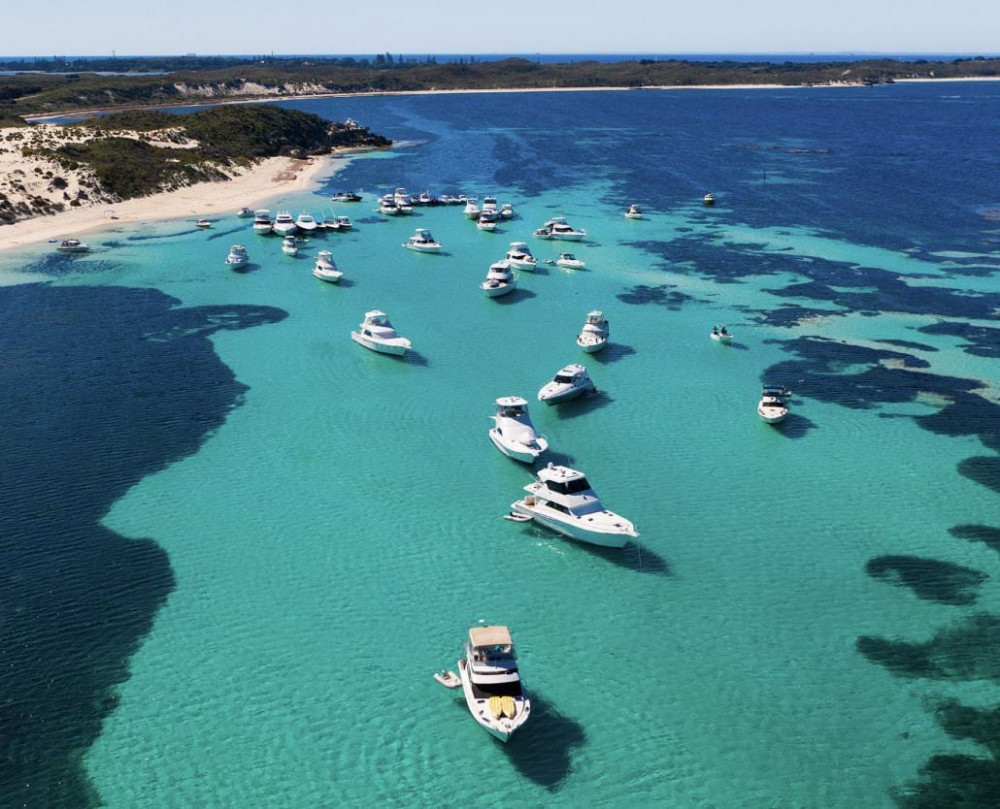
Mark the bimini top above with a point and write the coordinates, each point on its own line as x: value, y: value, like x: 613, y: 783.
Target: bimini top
x: 511, y: 401
x: 566, y: 480
x: 490, y: 636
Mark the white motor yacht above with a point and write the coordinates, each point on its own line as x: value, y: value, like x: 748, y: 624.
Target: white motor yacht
x: 773, y: 407
x: 709, y: 199
x: 262, y: 221
x: 404, y: 203
x: 519, y: 257
x: 506, y: 211
x: 570, y: 262
x: 423, y: 242
x: 561, y: 499
x: 570, y: 382
x: 238, y: 257
x: 488, y: 221
x: 491, y: 681
x: 244, y: 213
x: 72, y: 246
x: 306, y: 222
x: 378, y: 334
x: 471, y: 209
x: 490, y: 206
x: 387, y: 206
x: 513, y: 433
x: 203, y: 223
x: 290, y: 246
x: 559, y: 228
x: 284, y: 225
x: 595, y: 332
x: 325, y: 268
x: 340, y: 223
x: 722, y: 335
x: 499, y: 280
x: 633, y: 212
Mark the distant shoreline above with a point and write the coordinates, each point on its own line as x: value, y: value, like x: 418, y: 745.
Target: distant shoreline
x: 195, y: 102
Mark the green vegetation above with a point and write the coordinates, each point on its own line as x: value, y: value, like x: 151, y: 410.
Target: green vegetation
x: 233, y: 134
x: 188, y: 80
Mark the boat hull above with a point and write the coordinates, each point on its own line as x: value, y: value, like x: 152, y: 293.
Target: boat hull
x: 498, y: 290
x: 564, y: 396
x: 577, y: 532
x: 518, y: 453
x: 592, y: 347
x: 395, y: 349
x: 526, y: 266
x: 504, y: 731
x: 771, y: 415
x: 330, y: 276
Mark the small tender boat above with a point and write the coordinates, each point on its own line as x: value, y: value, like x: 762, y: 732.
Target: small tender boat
x: 203, y: 223
x: 595, y: 332
x: 244, y: 213
x: 569, y: 383
x: 448, y: 679
x: 488, y: 220
x: 237, y: 258
x: 306, y: 222
x: 570, y: 262
x: 519, y: 257
x: 290, y: 246
x: 284, y: 225
x: 773, y: 407
x: 262, y: 221
x: 722, y: 335
x: 346, y: 196
x: 491, y: 681
x: 423, y: 242
x: 562, y: 500
x: 633, y: 212
x: 471, y: 210
x: 325, y: 268
x: 499, y: 280
x: 72, y: 246
x: 513, y: 433
x: 709, y: 199
x: 378, y: 334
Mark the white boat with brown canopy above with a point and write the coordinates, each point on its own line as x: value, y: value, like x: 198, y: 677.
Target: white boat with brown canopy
x: 491, y: 681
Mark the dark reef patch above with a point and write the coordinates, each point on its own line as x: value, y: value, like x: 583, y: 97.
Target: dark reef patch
x: 907, y: 344
x: 664, y: 295
x: 981, y: 341
x: 966, y: 650
x: 102, y: 387
x: 971, y: 782
x: 983, y: 470
x: 929, y: 579
x: 986, y: 534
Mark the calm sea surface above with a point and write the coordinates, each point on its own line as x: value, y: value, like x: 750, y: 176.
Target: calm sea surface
x: 234, y: 545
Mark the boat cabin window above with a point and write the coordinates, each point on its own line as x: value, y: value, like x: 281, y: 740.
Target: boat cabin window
x: 563, y: 378
x: 569, y: 487
x: 496, y: 653
x: 511, y: 412
x: 557, y: 507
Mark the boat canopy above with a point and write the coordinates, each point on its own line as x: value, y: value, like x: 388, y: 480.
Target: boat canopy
x: 480, y: 636
x: 511, y: 401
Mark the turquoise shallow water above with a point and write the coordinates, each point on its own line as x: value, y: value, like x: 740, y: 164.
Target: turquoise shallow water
x: 334, y: 538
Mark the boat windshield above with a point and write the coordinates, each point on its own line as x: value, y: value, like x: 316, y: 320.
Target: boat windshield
x: 574, y: 486
x: 512, y: 412
x: 495, y: 654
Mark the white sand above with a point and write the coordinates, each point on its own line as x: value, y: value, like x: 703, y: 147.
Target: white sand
x: 276, y: 175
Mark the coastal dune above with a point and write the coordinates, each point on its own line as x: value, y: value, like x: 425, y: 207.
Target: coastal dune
x: 249, y: 187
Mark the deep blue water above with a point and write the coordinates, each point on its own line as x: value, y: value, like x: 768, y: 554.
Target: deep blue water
x: 855, y: 238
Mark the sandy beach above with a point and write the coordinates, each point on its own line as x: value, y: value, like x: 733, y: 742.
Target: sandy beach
x: 273, y: 176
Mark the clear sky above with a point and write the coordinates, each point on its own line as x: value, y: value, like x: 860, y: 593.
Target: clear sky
x: 212, y: 27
